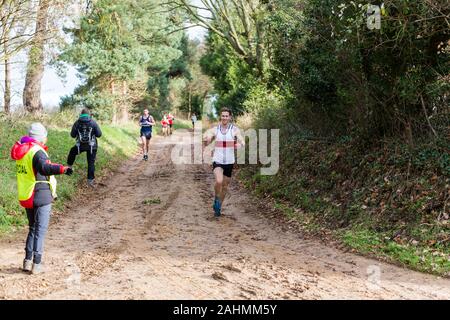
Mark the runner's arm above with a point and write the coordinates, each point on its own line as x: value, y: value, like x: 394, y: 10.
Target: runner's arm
x: 73, y: 133
x: 239, y: 137
x: 209, y: 136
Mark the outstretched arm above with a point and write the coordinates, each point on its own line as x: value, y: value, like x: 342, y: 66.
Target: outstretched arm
x: 42, y: 164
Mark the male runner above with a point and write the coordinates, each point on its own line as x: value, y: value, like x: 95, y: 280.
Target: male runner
x: 227, y: 138
x: 170, y: 119
x: 146, y: 122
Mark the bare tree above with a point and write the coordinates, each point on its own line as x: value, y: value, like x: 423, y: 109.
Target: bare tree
x: 239, y: 22
x: 15, y: 17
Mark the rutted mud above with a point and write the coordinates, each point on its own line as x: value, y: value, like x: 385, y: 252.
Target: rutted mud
x: 111, y: 245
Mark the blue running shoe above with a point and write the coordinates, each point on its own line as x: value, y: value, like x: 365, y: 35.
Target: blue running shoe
x: 216, y: 207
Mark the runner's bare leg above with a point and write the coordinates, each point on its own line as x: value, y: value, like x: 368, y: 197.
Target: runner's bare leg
x: 218, y: 186
x: 225, y: 184
x: 144, y: 141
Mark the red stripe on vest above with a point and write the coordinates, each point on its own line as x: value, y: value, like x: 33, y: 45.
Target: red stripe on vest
x: 225, y: 144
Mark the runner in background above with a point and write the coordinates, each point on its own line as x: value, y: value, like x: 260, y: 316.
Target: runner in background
x: 170, y: 119
x: 164, y: 124
x: 194, y: 120
x: 146, y: 122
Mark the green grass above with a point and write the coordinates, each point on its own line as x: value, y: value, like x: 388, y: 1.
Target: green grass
x: 426, y: 259
x: 366, y: 198
x: 182, y: 124
x: 151, y: 201
x: 117, y: 144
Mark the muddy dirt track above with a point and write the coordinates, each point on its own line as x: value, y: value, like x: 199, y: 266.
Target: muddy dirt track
x: 111, y: 246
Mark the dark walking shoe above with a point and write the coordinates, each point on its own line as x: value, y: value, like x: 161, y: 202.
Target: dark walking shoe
x: 27, y: 265
x: 91, y: 183
x: 37, y: 268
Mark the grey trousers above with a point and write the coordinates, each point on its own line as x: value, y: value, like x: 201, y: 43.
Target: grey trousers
x: 38, y: 220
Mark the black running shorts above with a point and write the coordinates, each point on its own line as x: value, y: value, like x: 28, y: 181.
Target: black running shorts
x: 227, y: 168
x: 147, y: 134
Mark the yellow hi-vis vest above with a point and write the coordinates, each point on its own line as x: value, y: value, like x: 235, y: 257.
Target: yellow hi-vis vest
x: 26, y: 180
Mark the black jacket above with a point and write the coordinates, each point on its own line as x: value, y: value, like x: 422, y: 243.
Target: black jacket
x: 43, y: 168
x: 95, y: 129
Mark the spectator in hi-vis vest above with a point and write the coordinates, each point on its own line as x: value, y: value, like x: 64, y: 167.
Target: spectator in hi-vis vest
x: 86, y: 131
x: 36, y: 186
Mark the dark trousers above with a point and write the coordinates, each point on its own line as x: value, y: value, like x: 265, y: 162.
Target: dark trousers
x: 90, y: 159
x: 38, y: 219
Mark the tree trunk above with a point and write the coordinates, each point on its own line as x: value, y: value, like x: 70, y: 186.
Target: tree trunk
x: 5, y: 41
x: 124, y: 107
x: 112, y: 86
x: 7, y: 97
x: 260, y: 49
x: 35, y: 69
x: 190, y: 108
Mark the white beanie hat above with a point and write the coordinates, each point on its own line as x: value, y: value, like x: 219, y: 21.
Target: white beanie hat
x: 37, y: 131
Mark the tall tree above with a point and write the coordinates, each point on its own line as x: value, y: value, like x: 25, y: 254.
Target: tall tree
x: 116, y: 43
x: 35, y: 68
x: 7, y: 94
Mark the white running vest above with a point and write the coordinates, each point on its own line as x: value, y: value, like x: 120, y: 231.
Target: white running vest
x: 225, y: 144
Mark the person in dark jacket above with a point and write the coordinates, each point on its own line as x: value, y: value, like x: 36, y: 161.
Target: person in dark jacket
x: 36, y: 190
x: 86, y: 131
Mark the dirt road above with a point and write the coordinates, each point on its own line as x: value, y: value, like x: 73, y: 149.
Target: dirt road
x: 111, y: 246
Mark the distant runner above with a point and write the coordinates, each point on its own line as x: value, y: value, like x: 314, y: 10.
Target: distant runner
x: 86, y: 131
x: 146, y: 122
x: 170, y: 119
x: 164, y: 124
x: 227, y: 138
x: 194, y: 120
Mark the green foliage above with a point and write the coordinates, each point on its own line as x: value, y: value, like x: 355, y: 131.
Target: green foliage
x: 232, y: 76
x: 345, y: 77
x: 101, y: 103
x: 120, y: 41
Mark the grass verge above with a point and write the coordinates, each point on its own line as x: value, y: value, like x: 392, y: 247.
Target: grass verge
x: 389, y: 201
x: 117, y: 144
